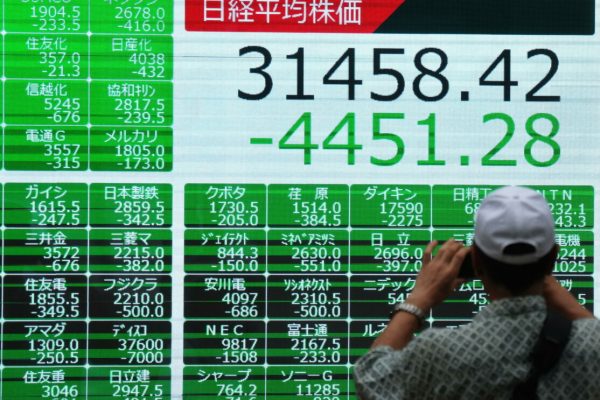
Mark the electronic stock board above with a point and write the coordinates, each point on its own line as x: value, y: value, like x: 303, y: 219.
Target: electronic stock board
x: 222, y: 199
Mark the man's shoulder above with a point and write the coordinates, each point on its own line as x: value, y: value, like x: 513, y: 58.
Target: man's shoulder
x: 587, y: 323
x: 585, y: 336
x: 579, y: 365
x: 448, y: 338
x: 460, y: 351
x: 489, y: 337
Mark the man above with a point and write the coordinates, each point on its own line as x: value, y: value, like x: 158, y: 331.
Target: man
x: 513, y: 254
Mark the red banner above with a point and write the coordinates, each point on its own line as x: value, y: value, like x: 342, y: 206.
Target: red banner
x: 322, y: 16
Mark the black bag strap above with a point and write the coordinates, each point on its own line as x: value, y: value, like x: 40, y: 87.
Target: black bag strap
x: 546, y: 353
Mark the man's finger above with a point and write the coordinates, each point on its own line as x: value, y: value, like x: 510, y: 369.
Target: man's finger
x: 459, y: 257
x: 429, y: 251
x: 448, y: 249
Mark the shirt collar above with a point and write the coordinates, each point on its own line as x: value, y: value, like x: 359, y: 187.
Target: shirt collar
x: 512, y: 306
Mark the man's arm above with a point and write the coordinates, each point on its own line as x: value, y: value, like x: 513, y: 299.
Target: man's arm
x: 381, y: 374
x: 399, y: 332
x: 435, y: 282
x: 561, y: 300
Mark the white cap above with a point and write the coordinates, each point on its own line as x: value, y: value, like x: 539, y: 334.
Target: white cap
x: 514, y: 215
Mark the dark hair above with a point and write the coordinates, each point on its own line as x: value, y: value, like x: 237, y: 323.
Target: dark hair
x: 517, y: 279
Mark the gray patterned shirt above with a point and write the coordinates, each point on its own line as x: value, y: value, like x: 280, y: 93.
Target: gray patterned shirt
x: 484, y: 359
